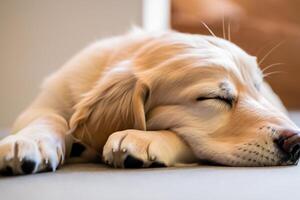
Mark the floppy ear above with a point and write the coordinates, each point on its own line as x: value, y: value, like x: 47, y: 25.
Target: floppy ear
x: 115, y: 103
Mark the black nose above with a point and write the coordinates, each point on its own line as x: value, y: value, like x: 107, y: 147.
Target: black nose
x: 289, y: 142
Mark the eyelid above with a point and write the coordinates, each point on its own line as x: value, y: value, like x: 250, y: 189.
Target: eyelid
x: 228, y: 100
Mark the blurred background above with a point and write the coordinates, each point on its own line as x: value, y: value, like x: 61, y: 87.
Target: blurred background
x: 257, y: 26
x: 38, y: 36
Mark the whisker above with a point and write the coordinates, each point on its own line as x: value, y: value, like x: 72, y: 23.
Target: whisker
x: 271, y: 50
x: 271, y: 73
x: 228, y: 29
x: 262, y: 48
x: 210, y: 31
x: 223, y: 26
x: 270, y: 66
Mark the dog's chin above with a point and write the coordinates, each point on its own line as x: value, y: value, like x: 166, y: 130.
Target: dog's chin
x: 250, y: 161
x: 208, y: 162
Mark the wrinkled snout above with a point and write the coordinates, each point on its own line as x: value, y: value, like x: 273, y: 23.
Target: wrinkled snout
x: 289, y: 142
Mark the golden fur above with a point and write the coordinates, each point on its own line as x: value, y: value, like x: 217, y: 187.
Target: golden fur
x: 165, y: 97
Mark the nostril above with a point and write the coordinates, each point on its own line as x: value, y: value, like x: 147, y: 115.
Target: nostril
x: 289, y: 142
x: 287, y: 134
x: 296, y: 150
x: 280, y: 141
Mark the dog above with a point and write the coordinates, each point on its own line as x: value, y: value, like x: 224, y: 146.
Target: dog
x: 152, y: 100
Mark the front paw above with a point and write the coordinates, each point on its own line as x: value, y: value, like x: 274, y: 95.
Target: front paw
x: 23, y: 154
x: 132, y: 149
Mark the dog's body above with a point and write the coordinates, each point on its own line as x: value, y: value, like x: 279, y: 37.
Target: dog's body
x: 145, y: 99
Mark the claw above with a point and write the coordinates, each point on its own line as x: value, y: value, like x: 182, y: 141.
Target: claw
x: 152, y: 158
x: 60, y: 155
x: 124, y: 150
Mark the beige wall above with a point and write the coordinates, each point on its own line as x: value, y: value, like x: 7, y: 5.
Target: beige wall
x: 38, y: 36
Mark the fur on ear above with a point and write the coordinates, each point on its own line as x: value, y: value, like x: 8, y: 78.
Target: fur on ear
x: 115, y: 103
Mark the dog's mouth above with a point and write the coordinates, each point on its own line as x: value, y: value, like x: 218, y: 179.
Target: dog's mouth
x: 284, y: 161
x: 255, y: 155
x: 282, y: 149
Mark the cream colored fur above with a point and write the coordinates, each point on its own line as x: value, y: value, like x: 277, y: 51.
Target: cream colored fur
x: 153, y: 96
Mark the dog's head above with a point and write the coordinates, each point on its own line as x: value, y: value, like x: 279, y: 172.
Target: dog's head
x: 207, y: 90
x: 212, y: 94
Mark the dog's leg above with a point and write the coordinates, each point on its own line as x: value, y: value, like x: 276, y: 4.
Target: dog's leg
x: 40, y: 146
x: 39, y: 142
x: 134, y: 149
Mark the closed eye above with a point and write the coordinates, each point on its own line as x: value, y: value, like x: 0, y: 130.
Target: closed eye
x: 228, y: 100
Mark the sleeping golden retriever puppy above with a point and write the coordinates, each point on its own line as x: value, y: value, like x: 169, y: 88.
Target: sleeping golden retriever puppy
x: 153, y: 99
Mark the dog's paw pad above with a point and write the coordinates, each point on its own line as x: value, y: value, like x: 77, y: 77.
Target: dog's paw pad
x: 8, y: 171
x: 132, y: 162
x: 28, y: 166
x: 157, y: 165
